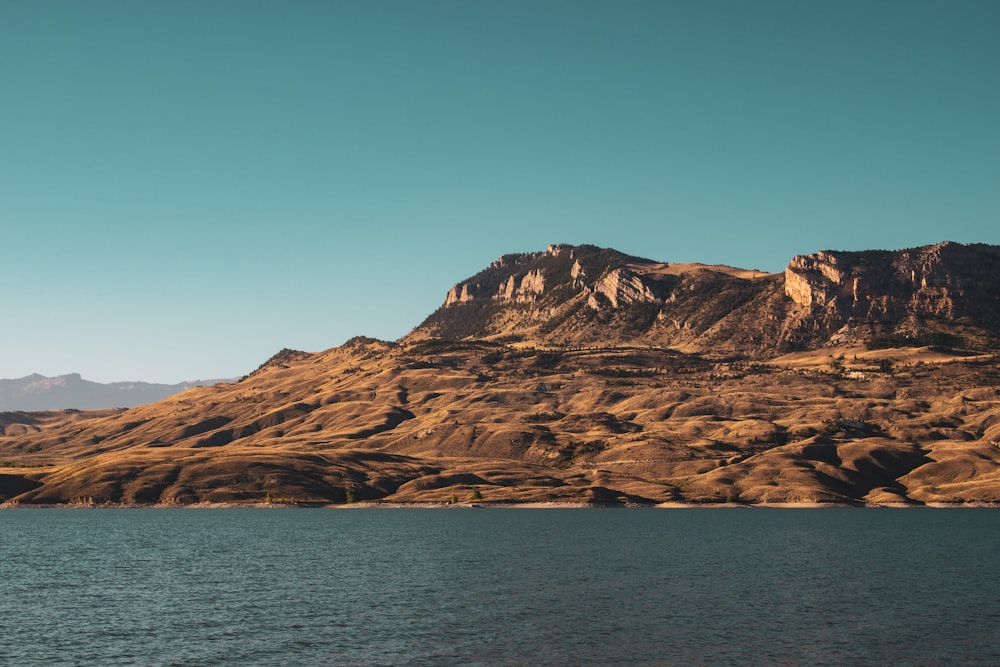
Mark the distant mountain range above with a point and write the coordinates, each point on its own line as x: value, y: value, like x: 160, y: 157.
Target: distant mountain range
x: 37, y: 392
x: 581, y: 374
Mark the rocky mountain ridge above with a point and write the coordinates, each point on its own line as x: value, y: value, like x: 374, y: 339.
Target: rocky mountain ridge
x: 584, y: 374
x: 71, y: 391
x: 569, y: 295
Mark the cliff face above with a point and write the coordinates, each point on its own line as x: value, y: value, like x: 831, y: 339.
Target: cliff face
x: 525, y: 277
x: 620, y: 288
x: 586, y: 295
x: 550, y: 295
x: 583, y: 295
x: 944, y: 289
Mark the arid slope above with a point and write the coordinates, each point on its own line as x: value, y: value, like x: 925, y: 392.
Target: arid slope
x: 609, y: 414
x: 426, y: 422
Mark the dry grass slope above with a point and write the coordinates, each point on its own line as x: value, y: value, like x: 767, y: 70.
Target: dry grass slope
x: 481, y: 421
x: 585, y: 375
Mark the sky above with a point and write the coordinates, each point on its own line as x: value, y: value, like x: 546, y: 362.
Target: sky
x: 188, y: 187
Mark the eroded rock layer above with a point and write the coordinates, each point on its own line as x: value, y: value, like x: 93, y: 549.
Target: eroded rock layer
x: 581, y: 374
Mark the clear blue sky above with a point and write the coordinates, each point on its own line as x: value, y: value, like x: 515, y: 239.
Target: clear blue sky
x: 187, y: 187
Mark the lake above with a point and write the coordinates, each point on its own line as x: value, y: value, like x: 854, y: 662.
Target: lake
x: 759, y: 586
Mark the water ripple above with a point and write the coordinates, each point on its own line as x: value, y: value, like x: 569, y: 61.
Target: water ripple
x: 187, y: 588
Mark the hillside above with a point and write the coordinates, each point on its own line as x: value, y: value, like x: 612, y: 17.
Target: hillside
x: 582, y: 374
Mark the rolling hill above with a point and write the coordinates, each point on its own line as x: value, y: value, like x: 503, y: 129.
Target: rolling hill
x: 580, y: 374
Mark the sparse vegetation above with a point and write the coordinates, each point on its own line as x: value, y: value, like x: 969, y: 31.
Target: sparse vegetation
x: 279, y: 360
x: 928, y: 338
x: 567, y: 403
x: 547, y: 360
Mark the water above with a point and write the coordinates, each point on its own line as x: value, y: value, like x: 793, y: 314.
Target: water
x: 500, y: 587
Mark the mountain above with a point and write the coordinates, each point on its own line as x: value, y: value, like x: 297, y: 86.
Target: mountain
x: 37, y: 392
x: 585, y: 295
x: 583, y: 374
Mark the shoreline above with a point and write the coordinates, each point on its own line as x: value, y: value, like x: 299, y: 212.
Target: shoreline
x: 501, y: 505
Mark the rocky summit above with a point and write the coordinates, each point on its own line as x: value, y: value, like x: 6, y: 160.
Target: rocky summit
x: 581, y: 374
x: 582, y: 295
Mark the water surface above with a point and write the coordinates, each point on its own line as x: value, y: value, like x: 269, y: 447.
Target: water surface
x: 494, y: 586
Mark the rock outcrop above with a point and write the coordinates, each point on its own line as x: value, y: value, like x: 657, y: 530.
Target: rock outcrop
x: 934, y: 289
x: 459, y: 294
x: 523, y: 288
x: 584, y: 374
x: 941, y: 293
x: 621, y: 287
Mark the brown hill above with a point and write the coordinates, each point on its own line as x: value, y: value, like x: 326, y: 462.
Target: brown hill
x: 581, y: 374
